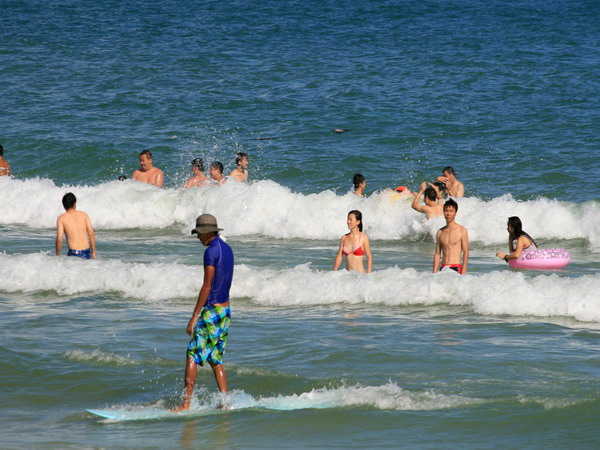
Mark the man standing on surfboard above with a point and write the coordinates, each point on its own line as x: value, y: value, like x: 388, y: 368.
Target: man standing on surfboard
x: 209, y: 324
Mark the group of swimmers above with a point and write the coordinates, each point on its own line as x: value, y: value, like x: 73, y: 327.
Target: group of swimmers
x: 451, y: 244
x: 451, y: 241
x: 77, y: 227
x: 148, y: 173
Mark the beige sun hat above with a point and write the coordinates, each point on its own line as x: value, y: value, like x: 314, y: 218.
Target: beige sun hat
x: 206, y: 223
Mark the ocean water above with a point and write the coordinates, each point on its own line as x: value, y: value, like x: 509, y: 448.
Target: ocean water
x: 504, y: 91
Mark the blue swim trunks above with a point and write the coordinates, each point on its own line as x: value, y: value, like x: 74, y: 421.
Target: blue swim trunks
x: 85, y: 254
x: 210, y: 335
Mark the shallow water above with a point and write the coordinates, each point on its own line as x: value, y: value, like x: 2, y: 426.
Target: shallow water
x: 504, y: 92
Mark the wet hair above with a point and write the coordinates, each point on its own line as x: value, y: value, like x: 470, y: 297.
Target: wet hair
x: 148, y: 153
x: 357, y: 179
x: 199, y: 163
x: 430, y: 194
x: 69, y: 200
x: 517, y: 227
x: 1, y: 151
x: 358, y: 215
x: 217, y: 165
x: 239, y: 157
x: 451, y: 203
x: 122, y: 177
x: 449, y: 169
x: 442, y: 187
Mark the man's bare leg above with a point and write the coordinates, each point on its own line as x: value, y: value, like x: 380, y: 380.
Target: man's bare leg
x: 220, y: 376
x: 191, y: 371
x: 221, y: 379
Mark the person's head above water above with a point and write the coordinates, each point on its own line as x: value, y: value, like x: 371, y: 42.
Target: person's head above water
x: 451, y: 204
x: 198, y: 163
x: 430, y: 194
x: 218, y: 166
x: 357, y: 180
x: 448, y: 170
x: 1, y: 151
x: 517, y: 226
x: 358, y: 216
x: 69, y: 200
x: 146, y: 153
x: 239, y: 159
x: 442, y: 187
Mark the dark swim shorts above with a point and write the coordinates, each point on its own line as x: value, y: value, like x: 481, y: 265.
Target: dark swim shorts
x: 85, y: 254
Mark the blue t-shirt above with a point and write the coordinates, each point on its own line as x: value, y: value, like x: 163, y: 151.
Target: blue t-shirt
x: 220, y: 256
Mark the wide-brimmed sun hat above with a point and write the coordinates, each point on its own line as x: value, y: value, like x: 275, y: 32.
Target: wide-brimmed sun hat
x: 206, y: 223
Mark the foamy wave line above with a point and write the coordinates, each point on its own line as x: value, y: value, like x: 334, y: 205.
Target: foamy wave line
x: 270, y: 209
x: 71, y: 276
x: 499, y: 292
x: 99, y: 357
x: 385, y: 397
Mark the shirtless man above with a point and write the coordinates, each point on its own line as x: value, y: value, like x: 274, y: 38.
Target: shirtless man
x: 147, y: 172
x: 4, y: 166
x: 78, y: 228
x: 199, y: 179
x: 433, y: 206
x: 451, y: 241
x: 455, y: 188
x: 240, y: 173
x: 216, y: 173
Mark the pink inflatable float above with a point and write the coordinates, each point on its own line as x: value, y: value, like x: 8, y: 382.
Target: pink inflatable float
x: 541, y: 259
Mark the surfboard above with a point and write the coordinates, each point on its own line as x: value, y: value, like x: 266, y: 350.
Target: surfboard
x: 150, y: 413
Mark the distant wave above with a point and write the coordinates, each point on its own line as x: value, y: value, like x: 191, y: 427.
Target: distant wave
x: 269, y: 209
x: 488, y: 294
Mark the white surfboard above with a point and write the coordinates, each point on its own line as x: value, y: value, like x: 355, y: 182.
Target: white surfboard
x: 150, y: 413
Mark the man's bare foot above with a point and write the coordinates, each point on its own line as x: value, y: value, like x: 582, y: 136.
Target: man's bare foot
x: 182, y: 407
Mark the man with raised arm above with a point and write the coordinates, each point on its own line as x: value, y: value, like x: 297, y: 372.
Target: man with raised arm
x: 433, y: 206
x: 147, y: 173
x: 454, y: 187
x: 76, y: 225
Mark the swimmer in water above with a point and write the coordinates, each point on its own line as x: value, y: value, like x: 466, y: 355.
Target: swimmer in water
x: 433, y: 206
x: 240, y: 173
x: 147, y: 173
x: 199, y: 179
x: 354, y: 246
x: 77, y: 227
x: 216, y: 173
x: 455, y: 188
x: 516, y: 233
x: 360, y: 183
x: 450, y: 242
x: 4, y: 166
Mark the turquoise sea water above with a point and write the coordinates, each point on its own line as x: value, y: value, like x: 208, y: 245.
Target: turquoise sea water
x: 504, y: 91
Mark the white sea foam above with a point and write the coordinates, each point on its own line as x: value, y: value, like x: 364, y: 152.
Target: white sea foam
x: 270, y: 209
x: 493, y: 293
x: 385, y: 397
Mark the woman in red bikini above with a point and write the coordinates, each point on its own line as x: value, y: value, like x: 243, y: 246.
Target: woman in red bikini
x: 354, y: 246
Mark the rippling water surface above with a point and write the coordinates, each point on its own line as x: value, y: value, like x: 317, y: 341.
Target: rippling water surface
x: 506, y: 92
